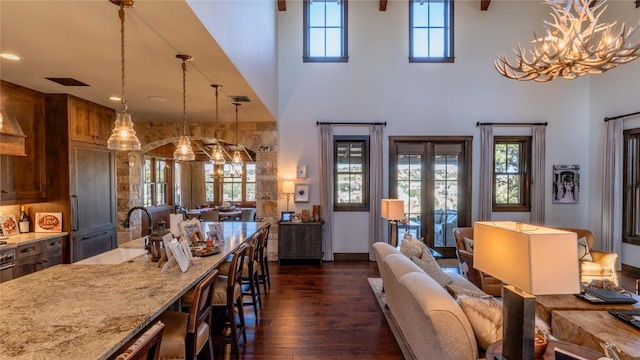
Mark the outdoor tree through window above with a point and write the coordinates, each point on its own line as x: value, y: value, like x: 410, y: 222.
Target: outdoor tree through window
x: 351, y: 188
x: 511, y: 175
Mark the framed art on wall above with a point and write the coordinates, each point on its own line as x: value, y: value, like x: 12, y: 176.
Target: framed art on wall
x: 566, y: 184
x: 301, y: 193
x: 302, y: 172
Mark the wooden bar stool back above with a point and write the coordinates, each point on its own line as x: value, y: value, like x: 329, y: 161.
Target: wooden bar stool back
x: 250, y: 282
x: 188, y: 334
x: 263, y: 277
x: 227, y: 299
x: 147, y: 346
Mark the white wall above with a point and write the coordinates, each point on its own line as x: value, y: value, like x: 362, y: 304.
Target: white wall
x: 378, y: 84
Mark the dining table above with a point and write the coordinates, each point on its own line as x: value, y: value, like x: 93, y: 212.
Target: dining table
x: 225, y: 215
x: 90, y: 311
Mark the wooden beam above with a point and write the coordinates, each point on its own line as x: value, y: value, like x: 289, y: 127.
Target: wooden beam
x: 282, y: 5
x: 383, y: 5
x: 484, y: 5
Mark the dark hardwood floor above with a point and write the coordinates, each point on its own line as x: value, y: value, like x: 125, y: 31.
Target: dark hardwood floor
x: 319, y: 312
x: 325, y: 312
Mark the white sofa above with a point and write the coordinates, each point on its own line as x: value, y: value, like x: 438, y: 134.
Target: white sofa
x: 433, y: 324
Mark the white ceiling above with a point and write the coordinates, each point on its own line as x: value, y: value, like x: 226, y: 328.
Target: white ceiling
x: 81, y: 40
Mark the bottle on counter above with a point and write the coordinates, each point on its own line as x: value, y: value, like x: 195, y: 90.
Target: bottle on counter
x: 24, y: 222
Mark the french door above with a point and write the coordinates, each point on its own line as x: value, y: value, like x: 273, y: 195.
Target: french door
x: 432, y: 175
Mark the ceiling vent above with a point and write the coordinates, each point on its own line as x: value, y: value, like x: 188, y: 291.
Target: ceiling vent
x: 239, y: 98
x: 67, y: 81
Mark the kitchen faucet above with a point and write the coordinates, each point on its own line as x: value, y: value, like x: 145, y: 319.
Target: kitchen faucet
x: 127, y: 222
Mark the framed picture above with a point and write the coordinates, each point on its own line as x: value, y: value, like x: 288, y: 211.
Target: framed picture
x: 188, y: 227
x: 302, y: 171
x: 285, y: 216
x: 48, y: 222
x: 301, y: 193
x: 295, y: 218
x: 9, y: 225
x: 215, y: 232
x: 566, y: 184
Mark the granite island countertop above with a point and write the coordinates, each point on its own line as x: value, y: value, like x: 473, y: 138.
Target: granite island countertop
x: 90, y: 311
x: 29, y: 237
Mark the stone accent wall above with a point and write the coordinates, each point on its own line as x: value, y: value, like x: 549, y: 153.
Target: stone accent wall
x: 261, y: 137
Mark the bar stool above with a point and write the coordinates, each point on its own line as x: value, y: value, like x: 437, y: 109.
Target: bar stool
x: 263, y: 277
x: 147, y: 346
x: 227, y: 299
x: 188, y: 334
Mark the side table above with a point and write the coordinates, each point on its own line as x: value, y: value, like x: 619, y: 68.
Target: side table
x: 495, y: 350
x: 300, y: 241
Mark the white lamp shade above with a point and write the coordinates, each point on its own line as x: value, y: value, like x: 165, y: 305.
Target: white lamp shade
x: 288, y: 187
x: 392, y: 209
x: 538, y: 260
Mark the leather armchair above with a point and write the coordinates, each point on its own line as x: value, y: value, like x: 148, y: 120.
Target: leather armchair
x: 603, y: 265
x: 487, y: 283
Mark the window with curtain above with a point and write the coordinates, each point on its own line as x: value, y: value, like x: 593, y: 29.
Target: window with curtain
x: 351, y: 158
x: 177, y: 183
x: 431, y: 31
x: 157, y: 182
x: 239, y: 183
x: 209, y: 182
x: 631, y: 187
x: 325, y: 31
x: 511, y: 173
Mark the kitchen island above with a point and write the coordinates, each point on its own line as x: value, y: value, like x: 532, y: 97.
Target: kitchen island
x: 90, y: 311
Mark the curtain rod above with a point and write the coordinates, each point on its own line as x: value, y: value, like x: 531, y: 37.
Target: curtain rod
x: 511, y: 124
x: 350, y: 123
x: 620, y: 116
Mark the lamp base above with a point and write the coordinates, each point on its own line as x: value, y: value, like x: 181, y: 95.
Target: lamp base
x: 393, y: 233
x: 519, y: 311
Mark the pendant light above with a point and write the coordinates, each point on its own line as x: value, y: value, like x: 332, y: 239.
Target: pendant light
x: 237, y: 158
x: 218, y: 155
x: 184, y: 152
x: 123, y: 137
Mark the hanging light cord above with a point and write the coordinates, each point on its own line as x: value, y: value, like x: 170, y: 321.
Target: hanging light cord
x: 184, y: 97
x: 217, y: 119
x: 123, y: 100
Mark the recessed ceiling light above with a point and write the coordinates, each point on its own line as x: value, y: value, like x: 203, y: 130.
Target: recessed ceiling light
x: 157, y: 98
x: 10, y: 56
x: 115, y: 98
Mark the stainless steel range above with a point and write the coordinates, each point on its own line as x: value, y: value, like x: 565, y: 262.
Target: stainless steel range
x: 7, y: 260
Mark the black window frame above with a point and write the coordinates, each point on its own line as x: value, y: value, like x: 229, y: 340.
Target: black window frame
x: 525, y: 171
x: 306, y: 57
x: 631, y: 186
x: 346, y: 139
x: 450, y: 31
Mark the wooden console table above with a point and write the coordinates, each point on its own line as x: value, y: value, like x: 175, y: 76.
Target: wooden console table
x: 590, y: 328
x: 547, y: 304
x: 300, y: 241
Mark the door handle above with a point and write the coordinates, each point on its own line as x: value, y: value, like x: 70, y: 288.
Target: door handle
x: 74, y: 212
x: 95, y: 235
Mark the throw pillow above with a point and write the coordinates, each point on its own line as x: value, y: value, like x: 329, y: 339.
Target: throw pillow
x: 468, y: 244
x: 432, y: 269
x: 455, y: 291
x: 583, y: 250
x: 485, y: 317
x: 409, y: 249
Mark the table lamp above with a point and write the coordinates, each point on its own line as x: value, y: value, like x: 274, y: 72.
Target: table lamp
x: 288, y: 187
x: 530, y: 260
x: 392, y: 210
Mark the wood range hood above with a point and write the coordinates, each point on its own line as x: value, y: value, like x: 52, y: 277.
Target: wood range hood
x: 12, y: 138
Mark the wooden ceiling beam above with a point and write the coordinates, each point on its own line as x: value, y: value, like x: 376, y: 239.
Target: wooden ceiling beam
x: 484, y: 5
x: 383, y: 5
x: 282, y: 5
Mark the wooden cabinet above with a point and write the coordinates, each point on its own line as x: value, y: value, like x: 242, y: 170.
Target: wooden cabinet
x: 37, y: 255
x: 300, y: 241
x: 81, y: 175
x: 23, y: 178
x: 88, y: 122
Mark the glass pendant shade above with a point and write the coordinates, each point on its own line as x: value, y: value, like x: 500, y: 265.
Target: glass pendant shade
x: 184, y: 152
x: 123, y: 137
x: 237, y: 158
x: 218, y: 156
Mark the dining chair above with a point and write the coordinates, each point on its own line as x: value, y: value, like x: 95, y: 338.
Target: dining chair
x: 147, y: 346
x: 210, y: 216
x: 263, y: 277
x: 227, y: 301
x: 187, y: 334
x: 248, y: 215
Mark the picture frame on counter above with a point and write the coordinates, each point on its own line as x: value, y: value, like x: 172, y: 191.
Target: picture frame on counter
x: 285, y: 216
x: 48, y: 222
x: 9, y: 225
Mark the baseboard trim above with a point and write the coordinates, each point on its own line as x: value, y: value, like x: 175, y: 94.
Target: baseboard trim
x: 350, y: 256
x: 631, y: 269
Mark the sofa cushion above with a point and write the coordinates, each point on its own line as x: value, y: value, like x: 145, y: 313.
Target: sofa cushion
x: 431, y: 267
x: 468, y: 244
x: 410, y: 249
x: 485, y: 316
x: 583, y: 250
x: 456, y: 290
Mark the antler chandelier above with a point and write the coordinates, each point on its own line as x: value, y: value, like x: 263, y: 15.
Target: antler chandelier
x: 574, y: 44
